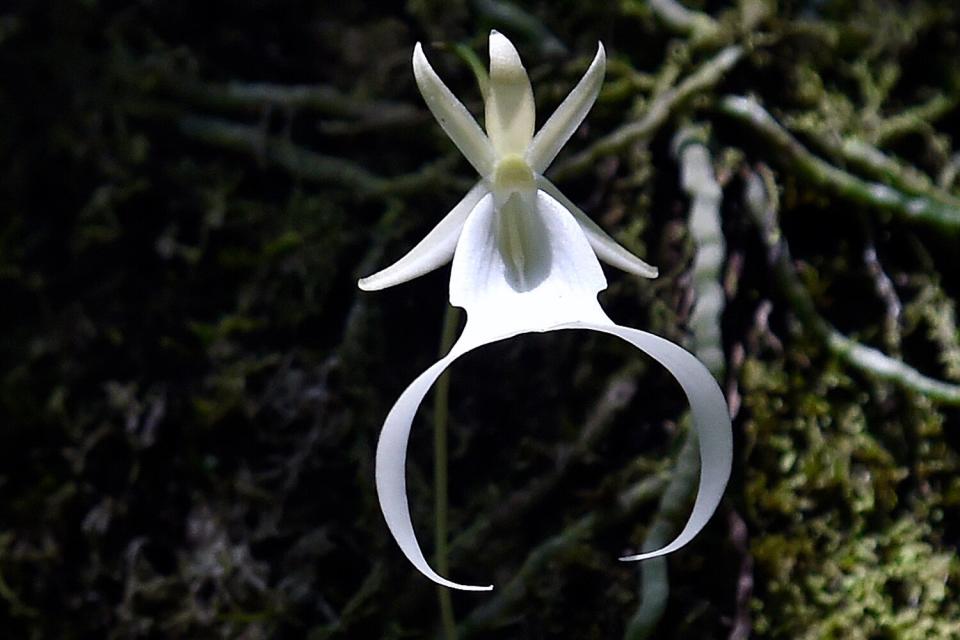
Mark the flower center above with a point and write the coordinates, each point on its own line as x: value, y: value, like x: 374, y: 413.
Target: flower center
x: 519, y: 233
x: 512, y: 174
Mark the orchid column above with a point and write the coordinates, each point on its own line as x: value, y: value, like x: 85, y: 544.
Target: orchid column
x: 525, y: 259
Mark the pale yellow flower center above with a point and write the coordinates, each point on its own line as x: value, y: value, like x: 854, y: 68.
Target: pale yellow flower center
x: 512, y: 174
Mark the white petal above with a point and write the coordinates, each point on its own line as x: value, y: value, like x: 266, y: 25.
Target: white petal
x: 568, y: 116
x: 711, y: 422
x: 434, y: 251
x: 510, y: 112
x: 554, y: 279
x: 391, y: 471
x: 606, y: 248
x: 452, y: 115
x: 710, y: 419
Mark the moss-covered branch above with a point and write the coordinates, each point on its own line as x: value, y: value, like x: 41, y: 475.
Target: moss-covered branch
x: 869, y: 360
x: 660, y: 110
x: 627, y: 504
x: 256, y: 96
x: 797, y: 159
x: 699, y: 26
x: 866, y: 158
x: 310, y: 165
x: 917, y: 118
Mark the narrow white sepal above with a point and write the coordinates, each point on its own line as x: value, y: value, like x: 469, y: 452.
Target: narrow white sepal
x: 453, y: 117
x: 606, y: 248
x: 569, y: 115
x: 510, y: 112
x: 560, y: 280
x: 434, y: 251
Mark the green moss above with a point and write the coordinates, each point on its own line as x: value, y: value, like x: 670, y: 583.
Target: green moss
x: 851, y: 551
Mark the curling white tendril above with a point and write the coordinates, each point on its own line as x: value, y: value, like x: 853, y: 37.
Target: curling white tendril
x: 525, y: 259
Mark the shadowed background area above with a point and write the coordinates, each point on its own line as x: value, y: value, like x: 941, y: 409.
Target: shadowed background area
x: 191, y: 384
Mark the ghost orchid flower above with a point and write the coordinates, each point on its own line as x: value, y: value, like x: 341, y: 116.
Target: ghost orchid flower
x: 525, y: 260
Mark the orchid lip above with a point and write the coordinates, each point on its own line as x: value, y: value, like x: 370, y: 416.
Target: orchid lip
x: 526, y: 259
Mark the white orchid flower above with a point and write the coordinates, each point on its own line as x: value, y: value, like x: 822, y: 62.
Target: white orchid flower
x: 525, y: 260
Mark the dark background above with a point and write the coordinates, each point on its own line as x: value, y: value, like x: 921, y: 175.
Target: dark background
x: 191, y: 385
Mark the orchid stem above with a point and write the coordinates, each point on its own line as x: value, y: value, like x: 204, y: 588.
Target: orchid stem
x: 451, y: 319
x: 476, y: 65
